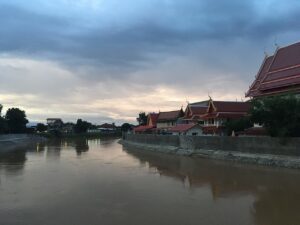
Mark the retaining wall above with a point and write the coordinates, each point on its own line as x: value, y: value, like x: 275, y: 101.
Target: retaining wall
x: 254, y: 145
x: 12, y: 142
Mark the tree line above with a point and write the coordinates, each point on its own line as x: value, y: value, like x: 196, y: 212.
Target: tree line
x: 14, y: 121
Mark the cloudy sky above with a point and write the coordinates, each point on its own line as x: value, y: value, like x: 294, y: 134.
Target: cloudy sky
x: 107, y: 60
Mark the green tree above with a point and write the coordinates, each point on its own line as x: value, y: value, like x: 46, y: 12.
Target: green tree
x: 237, y: 125
x: 40, y: 127
x: 82, y: 126
x: 126, y: 127
x: 280, y: 115
x: 16, y: 120
x: 142, y: 119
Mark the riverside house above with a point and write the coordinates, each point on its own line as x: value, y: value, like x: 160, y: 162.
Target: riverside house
x: 150, y: 126
x: 107, y: 128
x: 194, y: 112
x: 160, y: 122
x: 278, y: 74
x: 218, y: 112
x: 186, y: 129
x: 169, y: 119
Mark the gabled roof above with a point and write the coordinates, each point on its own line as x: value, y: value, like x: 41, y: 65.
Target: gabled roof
x: 153, y: 117
x: 195, y: 109
x: 226, y: 109
x: 279, y: 73
x: 169, y: 116
x: 202, y: 103
x: 183, y: 127
x: 198, y: 110
x: 223, y: 106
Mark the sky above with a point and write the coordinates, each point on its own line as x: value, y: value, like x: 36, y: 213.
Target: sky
x: 108, y: 60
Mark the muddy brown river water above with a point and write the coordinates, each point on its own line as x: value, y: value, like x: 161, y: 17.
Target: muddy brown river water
x: 99, y: 182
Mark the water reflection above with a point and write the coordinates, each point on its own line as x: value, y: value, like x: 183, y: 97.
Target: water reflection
x: 81, y: 145
x: 276, y: 191
x: 13, y: 162
x: 117, y: 185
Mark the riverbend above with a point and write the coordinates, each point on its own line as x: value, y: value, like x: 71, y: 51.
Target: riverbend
x: 97, y: 181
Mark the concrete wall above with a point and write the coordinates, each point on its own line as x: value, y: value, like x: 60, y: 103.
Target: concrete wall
x: 11, y: 142
x: 262, y: 145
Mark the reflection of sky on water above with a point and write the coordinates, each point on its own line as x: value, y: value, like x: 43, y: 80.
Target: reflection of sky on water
x: 79, y: 181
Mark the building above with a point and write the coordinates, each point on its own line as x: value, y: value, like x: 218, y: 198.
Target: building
x: 152, y: 119
x: 186, y: 129
x: 219, y: 112
x: 194, y: 112
x: 68, y: 128
x: 278, y: 74
x: 169, y: 119
x: 54, y: 123
x: 107, y: 128
x: 150, y: 127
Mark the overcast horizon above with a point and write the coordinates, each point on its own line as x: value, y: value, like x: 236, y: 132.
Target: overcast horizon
x: 105, y: 61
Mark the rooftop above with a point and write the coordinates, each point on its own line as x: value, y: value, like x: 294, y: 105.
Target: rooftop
x: 171, y: 115
x: 279, y: 73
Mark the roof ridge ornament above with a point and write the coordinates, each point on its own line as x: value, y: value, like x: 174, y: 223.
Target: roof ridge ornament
x: 265, y: 52
x: 276, y: 44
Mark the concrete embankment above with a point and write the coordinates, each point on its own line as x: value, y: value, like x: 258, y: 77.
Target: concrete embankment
x: 254, y: 150
x: 13, y: 142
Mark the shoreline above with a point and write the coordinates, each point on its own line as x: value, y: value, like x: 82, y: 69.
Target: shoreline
x: 271, y: 160
x: 11, y: 142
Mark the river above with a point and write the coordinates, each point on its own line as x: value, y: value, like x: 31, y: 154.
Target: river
x: 99, y: 182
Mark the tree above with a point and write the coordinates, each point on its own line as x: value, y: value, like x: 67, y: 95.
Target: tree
x: 237, y: 125
x: 40, y: 127
x: 142, y: 119
x: 82, y: 126
x: 280, y: 115
x: 16, y: 120
x: 126, y: 127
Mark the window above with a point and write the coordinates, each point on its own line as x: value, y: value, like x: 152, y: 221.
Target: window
x: 211, y: 121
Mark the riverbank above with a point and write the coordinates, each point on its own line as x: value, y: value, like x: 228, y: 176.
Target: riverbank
x: 250, y: 150
x: 11, y: 142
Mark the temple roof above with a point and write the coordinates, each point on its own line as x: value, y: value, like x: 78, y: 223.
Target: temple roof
x: 226, y: 109
x: 196, y: 109
x: 169, y: 116
x: 232, y: 107
x: 279, y: 73
x: 153, y: 117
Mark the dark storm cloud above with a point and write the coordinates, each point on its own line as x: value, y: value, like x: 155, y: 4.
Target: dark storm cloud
x: 25, y: 31
x: 121, y: 45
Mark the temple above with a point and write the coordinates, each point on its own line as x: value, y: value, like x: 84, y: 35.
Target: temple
x: 278, y: 74
x: 219, y: 112
x: 194, y: 112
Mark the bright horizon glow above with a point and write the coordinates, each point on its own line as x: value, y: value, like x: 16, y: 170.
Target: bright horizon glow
x: 106, y: 61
